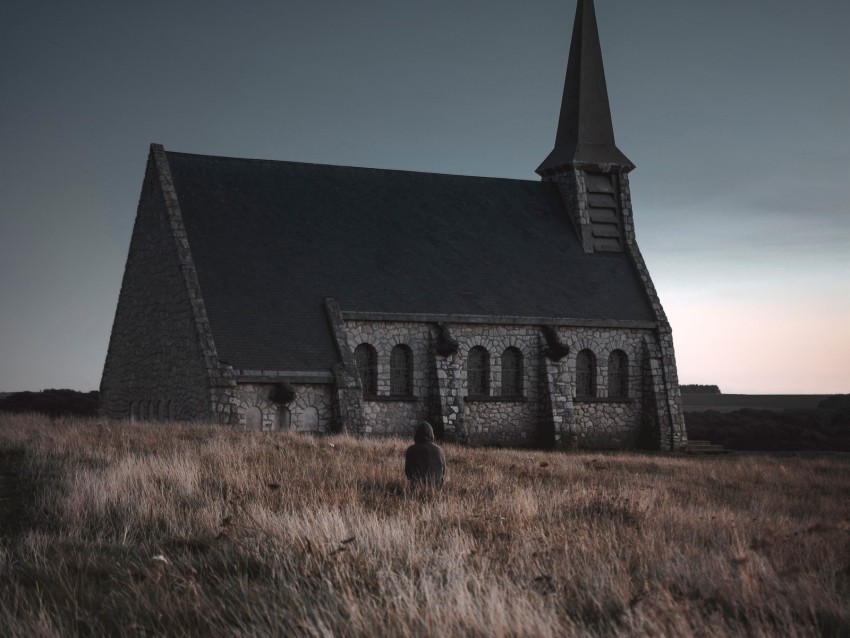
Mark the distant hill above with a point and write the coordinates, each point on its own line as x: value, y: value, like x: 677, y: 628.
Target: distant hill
x: 772, y: 422
x: 730, y: 402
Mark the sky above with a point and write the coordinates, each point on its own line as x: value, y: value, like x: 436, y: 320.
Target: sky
x: 736, y: 113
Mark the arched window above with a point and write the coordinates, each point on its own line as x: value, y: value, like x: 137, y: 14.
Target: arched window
x: 512, y: 372
x: 401, y: 371
x: 171, y: 411
x: 131, y: 415
x: 618, y: 375
x: 138, y: 412
x: 284, y: 418
x: 586, y: 374
x: 254, y: 418
x: 309, y: 421
x: 161, y: 412
x: 367, y: 366
x: 478, y: 371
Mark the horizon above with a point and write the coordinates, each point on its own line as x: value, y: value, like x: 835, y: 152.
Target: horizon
x: 738, y: 127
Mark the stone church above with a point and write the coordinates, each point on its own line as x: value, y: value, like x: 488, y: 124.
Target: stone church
x: 274, y: 295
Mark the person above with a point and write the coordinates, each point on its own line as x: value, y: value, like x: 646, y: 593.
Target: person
x: 424, y: 461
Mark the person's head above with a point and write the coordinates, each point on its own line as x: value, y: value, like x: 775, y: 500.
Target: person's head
x: 424, y: 433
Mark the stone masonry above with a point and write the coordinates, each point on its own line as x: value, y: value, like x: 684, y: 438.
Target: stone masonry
x: 546, y: 413
x: 161, y: 362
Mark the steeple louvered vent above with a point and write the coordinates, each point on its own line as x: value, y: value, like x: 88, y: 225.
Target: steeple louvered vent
x: 604, y: 210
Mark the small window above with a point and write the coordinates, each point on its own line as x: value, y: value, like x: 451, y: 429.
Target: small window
x: 367, y: 366
x: 401, y: 371
x: 478, y: 371
x: 512, y: 372
x: 284, y: 418
x: 309, y: 421
x: 618, y: 375
x: 132, y: 416
x: 254, y: 418
x: 586, y: 374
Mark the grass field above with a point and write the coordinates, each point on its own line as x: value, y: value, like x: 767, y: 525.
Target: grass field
x: 731, y: 402
x: 192, y: 530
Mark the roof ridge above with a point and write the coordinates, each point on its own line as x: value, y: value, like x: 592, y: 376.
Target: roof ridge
x: 343, y: 166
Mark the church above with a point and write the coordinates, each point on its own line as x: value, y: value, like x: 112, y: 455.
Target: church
x: 275, y: 295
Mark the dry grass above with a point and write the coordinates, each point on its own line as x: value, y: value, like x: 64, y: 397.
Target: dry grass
x: 137, y: 530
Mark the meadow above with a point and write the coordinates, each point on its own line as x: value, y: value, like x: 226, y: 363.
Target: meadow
x: 189, y: 530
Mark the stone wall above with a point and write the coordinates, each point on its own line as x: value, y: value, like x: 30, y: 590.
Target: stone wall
x: 393, y: 417
x: 384, y: 414
x: 311, y: 411
x: 605, y: 423
x: 672, y: 434
x: 507, y: 422
x: 160, y: 362
x: 547, y: 412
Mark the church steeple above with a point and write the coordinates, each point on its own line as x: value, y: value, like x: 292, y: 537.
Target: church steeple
x: 585, y: 136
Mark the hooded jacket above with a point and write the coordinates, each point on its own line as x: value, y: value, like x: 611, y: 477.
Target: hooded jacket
x: 424, y: 461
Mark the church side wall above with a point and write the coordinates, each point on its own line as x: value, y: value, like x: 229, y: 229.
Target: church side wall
x: 514, y: 423
x: 604, y: 421
x: 155, y: 368
x: 385, y: 414
x: 494, y: 419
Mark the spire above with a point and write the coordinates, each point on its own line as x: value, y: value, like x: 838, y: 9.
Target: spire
x: 585, y: 133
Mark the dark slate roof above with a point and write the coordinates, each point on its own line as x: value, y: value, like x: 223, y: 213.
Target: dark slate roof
x: 271, y: 240
x: 585, y: 132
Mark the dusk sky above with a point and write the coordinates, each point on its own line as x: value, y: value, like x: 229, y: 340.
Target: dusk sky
x: 736, y: 113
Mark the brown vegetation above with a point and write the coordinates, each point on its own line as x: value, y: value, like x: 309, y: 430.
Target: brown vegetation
x: 203, y: 531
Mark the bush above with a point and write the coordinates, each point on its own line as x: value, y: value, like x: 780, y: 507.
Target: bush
x: 826, y: 430
x: 52, y: 403
x: 695, y: 388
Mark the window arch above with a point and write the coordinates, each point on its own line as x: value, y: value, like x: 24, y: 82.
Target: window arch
x: 478, y: 371
x: 618, y: 375
x: 401, y: 370
x: 367, y: 366
x: 586, y: 374
x: 512, y: 372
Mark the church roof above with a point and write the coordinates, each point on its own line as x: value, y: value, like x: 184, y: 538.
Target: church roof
x: 585, y: 132
x: 272, y: 240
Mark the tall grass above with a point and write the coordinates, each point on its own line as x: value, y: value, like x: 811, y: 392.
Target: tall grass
x: 193, y: 530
